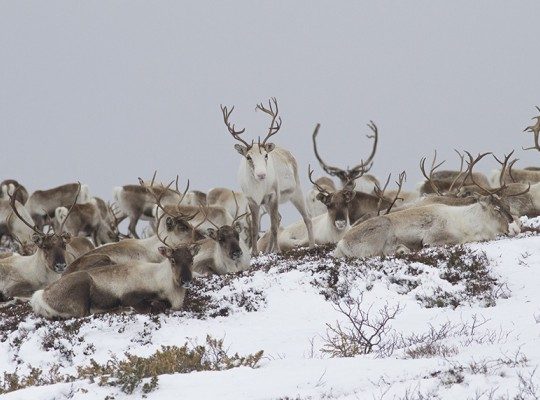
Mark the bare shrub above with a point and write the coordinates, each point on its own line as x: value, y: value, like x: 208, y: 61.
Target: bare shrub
x: 367, y: 331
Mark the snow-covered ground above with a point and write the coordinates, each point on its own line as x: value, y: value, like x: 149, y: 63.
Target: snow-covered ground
x: 466, y: 327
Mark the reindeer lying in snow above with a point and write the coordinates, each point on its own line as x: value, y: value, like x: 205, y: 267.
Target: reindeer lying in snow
x: 224, y: 251
x: 138, y: 284
x: 435, y: 224
x: 175, y: 227
x: 20, y: 275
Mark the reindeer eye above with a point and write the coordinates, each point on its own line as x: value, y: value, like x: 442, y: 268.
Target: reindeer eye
x: 248, y: 158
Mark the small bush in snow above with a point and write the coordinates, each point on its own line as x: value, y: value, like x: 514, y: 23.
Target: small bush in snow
x: 133, y: 371
x: 366, y: 332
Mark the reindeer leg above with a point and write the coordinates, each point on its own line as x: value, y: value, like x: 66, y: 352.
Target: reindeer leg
x: 132, y: 228
x: 273, y: 205
x: 300, y: 203
x: 254, y: 208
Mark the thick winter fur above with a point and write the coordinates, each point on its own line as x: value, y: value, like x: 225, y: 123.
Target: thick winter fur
x: 443, y: 181
x: 519, y: 176
x: 137, y: 285
x: 13, y: 227
x: 224, y: 197
x: 268, y: 176
x: 175, y: 229
x: 9, y: 187
x: 366, y: 183
x: 20, y: 275
x: 85, y: 220
x: 435, y: 224
x: 327, y: 228
x: 42, y: 204
x: 314, y: 205
x: 222, y: 252
x: 137, y: 202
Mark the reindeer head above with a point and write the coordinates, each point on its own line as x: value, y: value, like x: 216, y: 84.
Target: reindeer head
x: 53, y: 247
x: 181, y: 260
x: 227, y: 236
x: 256, y: 154
x: 491, y: 199
x: 349, y: 175
x: 337, y: 203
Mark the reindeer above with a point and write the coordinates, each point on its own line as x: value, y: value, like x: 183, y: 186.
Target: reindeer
x: 138, y: 201
x: 20, y: 275
x: 447, y: 182
x: 268, y: 176
x: 86, y: 220
x: 228, y: 199
x: 42, y: 203
x: 175, y: 227
x: 14, y: 228
x: 137, y: 284
x: 363, y: 182
x: 8, y: 187
x: 223, y: 251
x: 435, y: 224
x: 315, y: 206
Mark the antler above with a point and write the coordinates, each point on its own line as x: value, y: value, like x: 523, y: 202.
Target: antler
x: 471, y: 163
x: 327, y: 168
x: 12, y: 199
x: 365, y: 166
x: 232, y: 130
x: 236, y: 216
x: 272, y: 110
x: 429, y: 177
x: 535, y: 129
x: 380, y: 192
x: 70, y: 209
x: 319, y: 187
x: 357, y: 170
x: 460, y: 174
x: 504, y: 166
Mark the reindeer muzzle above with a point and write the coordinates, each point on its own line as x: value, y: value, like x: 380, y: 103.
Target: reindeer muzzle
x: 340, y: 224
x: 60, y: 267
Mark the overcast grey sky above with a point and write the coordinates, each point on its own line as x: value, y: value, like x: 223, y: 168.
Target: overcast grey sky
x: 106, y: 91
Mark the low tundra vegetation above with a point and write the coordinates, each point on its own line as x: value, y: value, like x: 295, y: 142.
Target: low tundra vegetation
x: 132, y: 372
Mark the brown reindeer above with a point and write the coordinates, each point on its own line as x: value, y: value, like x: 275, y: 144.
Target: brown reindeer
x: 138, y: 284
x: 86, y: 220
x: 42, y: 203
x: 8, y: 187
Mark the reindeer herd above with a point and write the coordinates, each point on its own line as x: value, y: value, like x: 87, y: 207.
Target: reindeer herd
x: 70, y: 259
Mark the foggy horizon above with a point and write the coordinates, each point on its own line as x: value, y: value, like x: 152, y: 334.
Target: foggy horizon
x: 104, y: 93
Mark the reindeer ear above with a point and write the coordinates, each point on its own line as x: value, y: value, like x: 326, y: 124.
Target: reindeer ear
x: 211, y: 233
x: 241, y: 149
x: 238, y: 227
x: 195, y: 249
x: 67, y: 237
x: 323, y: 198
x: 165, y: 251
x: 169, y: 223
x: 38, y: 239
x: 269, y: 147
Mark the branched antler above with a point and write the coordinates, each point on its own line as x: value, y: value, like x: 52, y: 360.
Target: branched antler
x: 429, y: 177
x: 535, y: 129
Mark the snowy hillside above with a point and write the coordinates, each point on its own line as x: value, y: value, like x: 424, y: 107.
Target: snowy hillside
x: 445, y: 323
